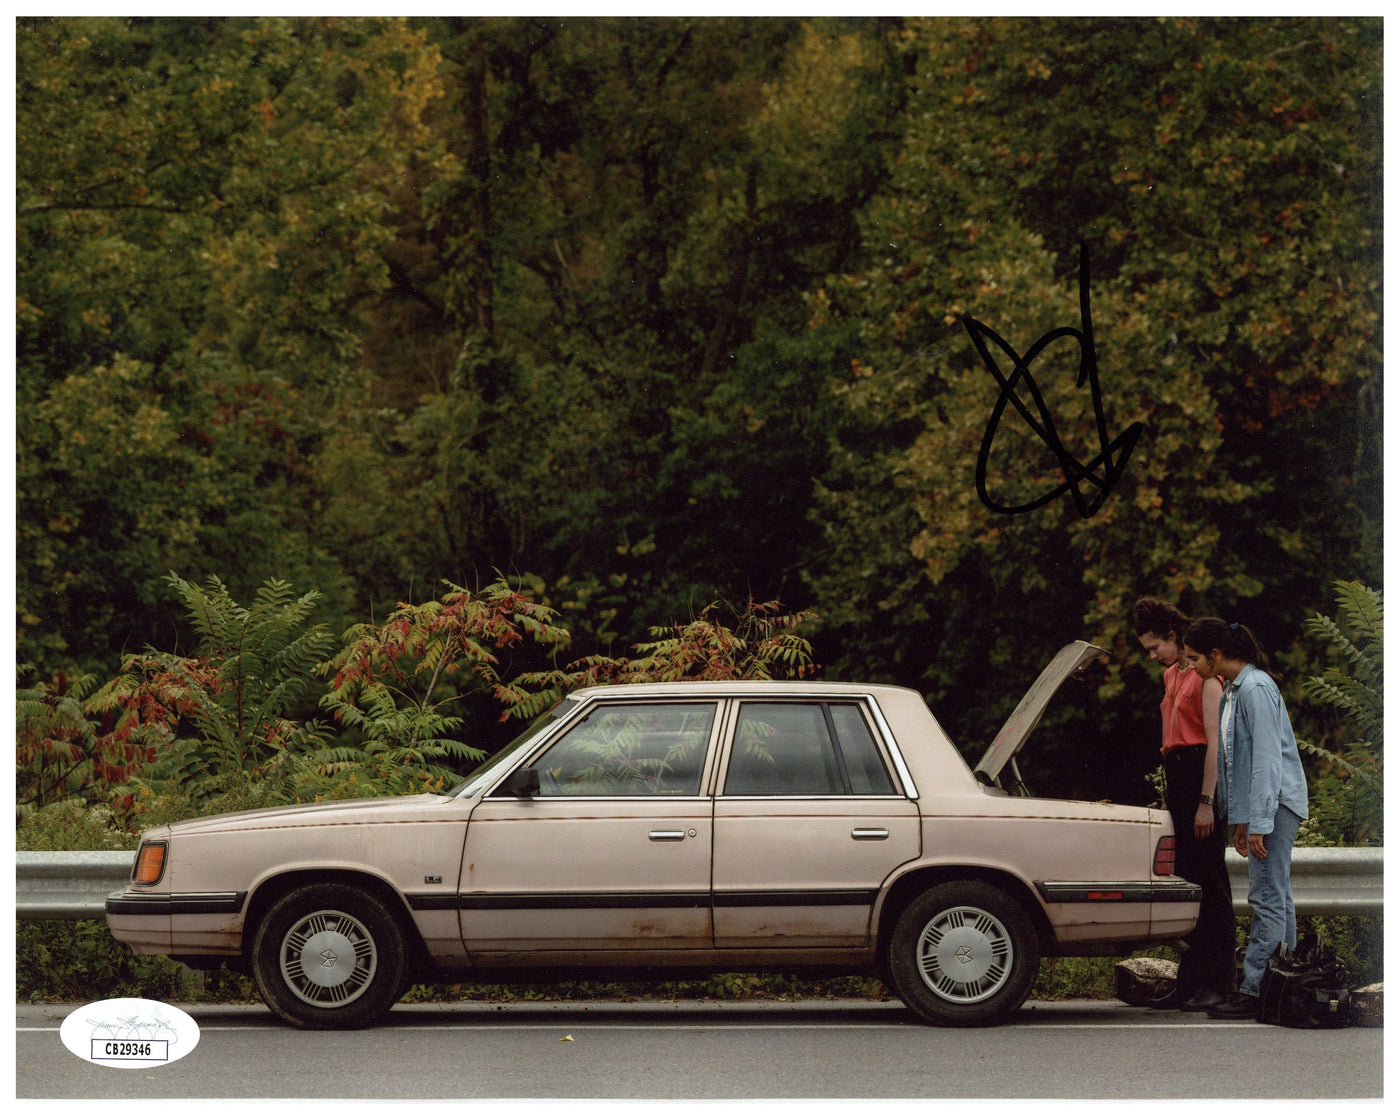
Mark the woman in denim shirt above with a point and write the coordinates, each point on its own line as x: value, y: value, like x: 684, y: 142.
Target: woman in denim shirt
x: 1261, y: 790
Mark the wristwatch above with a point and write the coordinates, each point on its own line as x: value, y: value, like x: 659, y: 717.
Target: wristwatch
x: 1207, y: 799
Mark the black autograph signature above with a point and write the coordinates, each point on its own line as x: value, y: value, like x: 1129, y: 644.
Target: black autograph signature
x: 1100, y: 474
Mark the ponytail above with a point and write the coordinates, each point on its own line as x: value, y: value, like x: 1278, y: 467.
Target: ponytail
x: 1234, y: 639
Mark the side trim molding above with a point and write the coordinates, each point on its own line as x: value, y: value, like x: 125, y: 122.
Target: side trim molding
x: 593, y: 900
x: 637, y: 900
x: 212, y: 902
x: 734, y: 899
x: 1126, y: 891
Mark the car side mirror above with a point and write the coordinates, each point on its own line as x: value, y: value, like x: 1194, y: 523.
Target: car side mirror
x: 523, y: 783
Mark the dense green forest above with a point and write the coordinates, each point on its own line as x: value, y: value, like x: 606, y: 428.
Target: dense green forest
x: 642, y: 315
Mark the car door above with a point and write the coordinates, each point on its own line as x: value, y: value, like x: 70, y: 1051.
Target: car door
x: 612, y: 853
x: 808, y: 824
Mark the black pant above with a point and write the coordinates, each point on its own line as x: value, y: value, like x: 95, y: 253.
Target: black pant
x: 1209, y: 959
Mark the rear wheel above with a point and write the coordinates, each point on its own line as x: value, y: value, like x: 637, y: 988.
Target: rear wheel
x: 330, y: 957
x: 963, y: 954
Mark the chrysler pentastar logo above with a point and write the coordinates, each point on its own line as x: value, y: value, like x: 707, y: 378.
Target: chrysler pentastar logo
x: 964, y: 954
x: 328, y: 958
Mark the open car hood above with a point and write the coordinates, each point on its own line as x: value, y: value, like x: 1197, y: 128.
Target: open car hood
x: 1014, y: 733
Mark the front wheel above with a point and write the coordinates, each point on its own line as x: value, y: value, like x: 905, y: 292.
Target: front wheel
x: 963, y: 954
x: 330, y: 957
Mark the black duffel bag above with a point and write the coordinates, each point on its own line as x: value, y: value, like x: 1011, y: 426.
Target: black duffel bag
x: 1308, y: 987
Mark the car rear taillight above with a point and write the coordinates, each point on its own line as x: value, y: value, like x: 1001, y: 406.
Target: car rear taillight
x: 1164, y: 862
x: 150, y: 863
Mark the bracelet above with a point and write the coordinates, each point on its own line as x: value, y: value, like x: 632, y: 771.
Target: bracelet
x: 1207, y: 799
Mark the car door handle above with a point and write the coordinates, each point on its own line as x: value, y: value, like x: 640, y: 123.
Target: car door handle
x: 662, y: 836
x: 870, y: 834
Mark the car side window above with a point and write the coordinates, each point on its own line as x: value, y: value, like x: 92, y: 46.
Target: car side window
x: 864, y: 765
x: 804, y: 749
x: 630, y: 750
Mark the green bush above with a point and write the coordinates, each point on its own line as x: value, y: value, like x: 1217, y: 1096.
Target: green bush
x: 720, y: 986
x: 1077, y: 977
x: 72, y: 827
x: 78, y: 962
x: 1358, y: 941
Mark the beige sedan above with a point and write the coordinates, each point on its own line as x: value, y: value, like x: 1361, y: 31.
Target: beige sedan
x: 730, y: 826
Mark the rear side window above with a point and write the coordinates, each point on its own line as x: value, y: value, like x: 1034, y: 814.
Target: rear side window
x: 863, y: 762
x: 804, y: 750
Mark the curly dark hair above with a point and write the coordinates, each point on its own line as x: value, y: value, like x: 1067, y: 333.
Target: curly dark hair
x: 1157, y: 616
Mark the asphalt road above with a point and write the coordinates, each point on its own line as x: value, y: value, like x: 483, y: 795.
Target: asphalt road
x: 1096, y: 1050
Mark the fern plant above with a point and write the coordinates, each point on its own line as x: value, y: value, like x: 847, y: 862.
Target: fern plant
x: 224, y: 718
x: 1347, y: 793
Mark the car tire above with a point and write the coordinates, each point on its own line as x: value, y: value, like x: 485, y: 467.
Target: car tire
x: 963, y: 954
x: 330, y: 957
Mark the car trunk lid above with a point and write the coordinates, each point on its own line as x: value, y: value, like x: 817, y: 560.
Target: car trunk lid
x: 1014, y: 733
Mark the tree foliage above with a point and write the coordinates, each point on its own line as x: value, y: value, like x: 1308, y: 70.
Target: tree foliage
x: 651, y: 313
x: 187, y: 185
x: 643, y: 277
x: 1224, y: 177
x: 199, y: 213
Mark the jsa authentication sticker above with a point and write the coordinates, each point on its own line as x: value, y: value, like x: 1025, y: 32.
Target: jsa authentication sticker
x: 129, y: 1033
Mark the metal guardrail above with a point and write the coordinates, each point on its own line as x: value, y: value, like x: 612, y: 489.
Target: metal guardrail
x: 72, y: 885
x: 68, y: 885
x: 1325, y: 880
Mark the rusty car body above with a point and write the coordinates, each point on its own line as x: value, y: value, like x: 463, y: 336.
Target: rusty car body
x: 746, y: 825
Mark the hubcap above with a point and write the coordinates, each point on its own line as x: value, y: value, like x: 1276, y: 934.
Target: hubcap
x: 328, y: 958
x: 965, y: 955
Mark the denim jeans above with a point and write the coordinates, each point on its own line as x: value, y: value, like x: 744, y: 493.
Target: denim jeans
x: 1271, y: 899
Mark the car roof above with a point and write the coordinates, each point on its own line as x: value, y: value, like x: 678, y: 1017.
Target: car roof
x: 736, y: 688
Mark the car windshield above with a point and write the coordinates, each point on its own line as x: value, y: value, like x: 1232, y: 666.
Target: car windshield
x: 481, y: 775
